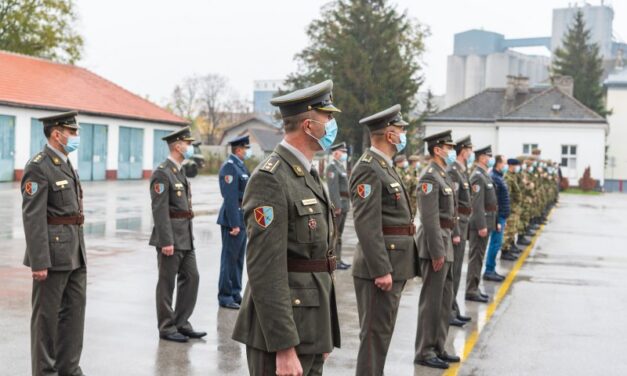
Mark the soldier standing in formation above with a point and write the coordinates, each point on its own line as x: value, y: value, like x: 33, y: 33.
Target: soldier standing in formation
x: 233, y: 177
x: 438, y: 216
x: 385, y: 257
x: 411, y: 184
x: 288, y: 318
x: 482, y: 221
x: 172, y: 235
x: 52, y: 213
x: 509, y: 251
x: 458, y: 173
x: 337, y: 183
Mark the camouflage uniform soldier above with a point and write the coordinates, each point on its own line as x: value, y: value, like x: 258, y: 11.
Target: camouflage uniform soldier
x: 513, y: 221
x: 337, y: 183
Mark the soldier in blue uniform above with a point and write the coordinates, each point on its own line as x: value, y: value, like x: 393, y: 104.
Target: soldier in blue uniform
x: 233, y: 179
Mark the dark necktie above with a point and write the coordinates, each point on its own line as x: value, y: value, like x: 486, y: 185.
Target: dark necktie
x: 315, y: 175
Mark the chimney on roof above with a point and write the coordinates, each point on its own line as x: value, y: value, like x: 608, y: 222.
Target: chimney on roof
x: 565, y: 83
x: 516, y: 85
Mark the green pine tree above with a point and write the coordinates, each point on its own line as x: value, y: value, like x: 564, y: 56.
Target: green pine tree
x: 373, y: 55
x: 579, y: 58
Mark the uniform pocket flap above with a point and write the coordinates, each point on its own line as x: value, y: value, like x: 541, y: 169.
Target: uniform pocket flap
x: 59, y: 237
x: 305, y: 297
x: 395, y: 245
x: 308, y: 209
x: 60, y: 187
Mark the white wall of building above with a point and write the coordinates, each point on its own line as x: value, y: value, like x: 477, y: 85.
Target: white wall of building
x: 23, y: 118
x: 617, y: 137
x: 507, y: 138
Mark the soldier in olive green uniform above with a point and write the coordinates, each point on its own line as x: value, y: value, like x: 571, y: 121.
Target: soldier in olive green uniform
x: 337, y: 184
x: 386, y: 255
x: 460, y: 176
x: 172, y: 235
x: 288, y: 317
x: 437, y: 205
x: 52, y: 212
x: 482, y: 221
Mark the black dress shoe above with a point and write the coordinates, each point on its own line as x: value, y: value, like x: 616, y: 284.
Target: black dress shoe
x: 523, y: 241
x: 484, y: 294
x: 456, y: 322
x: 174, y: 337
x: 449, y: 358
x: 464, y: 318
x: 508, y: 256
x: 192, y: 334
x: 477, y: 298
x: 493, y: 277
x: 343, y: 266
x: 232, y: 305
x: 434, y: 362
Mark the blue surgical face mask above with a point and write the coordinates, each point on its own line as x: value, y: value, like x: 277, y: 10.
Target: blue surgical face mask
x: 491, y: 162
x: 505, y: 169
x: 248, y: 154
x: 451, y: 155
x: 189, y: 152
x: 517, y: 169
x: 402, y: 142
x: 330, y: 132
x: 343, y: 157
x: 530, y: 169
x: 73, y: 142
x: 405, y: 164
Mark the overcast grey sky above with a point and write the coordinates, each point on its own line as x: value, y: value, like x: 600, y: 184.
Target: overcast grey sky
x: 148, y: 46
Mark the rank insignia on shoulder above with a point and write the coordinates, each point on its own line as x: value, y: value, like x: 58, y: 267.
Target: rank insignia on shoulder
x: 30, y: 188
x: 364, y: 190
x: 159, y: 188
x: 161, y: 166
x: 394, y: 185
x: 264, y: 215
x: 476, y: 188
x: 426, y: 188
x: 56, y: 161
x: 228, y: 179
x: 298, y: 170
x: 271, y: 165
x: 38, y: 158
x: 367, y: 158
x: 430, y: 170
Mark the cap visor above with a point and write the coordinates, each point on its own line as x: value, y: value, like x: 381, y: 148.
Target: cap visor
x: 450, y: 143
x: 328, y: 108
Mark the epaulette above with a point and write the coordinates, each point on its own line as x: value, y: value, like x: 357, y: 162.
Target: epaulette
x: 367, y: 158
x: 271, y: 164
x: 38, y: 158
x: 162, y: 166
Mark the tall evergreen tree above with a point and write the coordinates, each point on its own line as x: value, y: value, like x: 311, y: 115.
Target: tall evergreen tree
x: 373, y: 54
x: 579, y: 58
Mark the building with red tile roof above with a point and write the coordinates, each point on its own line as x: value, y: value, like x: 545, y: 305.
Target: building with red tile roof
x: 120, y: 131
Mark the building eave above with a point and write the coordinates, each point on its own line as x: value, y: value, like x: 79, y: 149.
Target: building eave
x: 92, y: 113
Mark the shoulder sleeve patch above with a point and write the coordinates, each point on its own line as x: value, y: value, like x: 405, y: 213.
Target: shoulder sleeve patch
x: 271, y: 164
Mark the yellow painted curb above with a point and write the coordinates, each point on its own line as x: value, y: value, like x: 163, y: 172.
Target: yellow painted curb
x: 471, y: 341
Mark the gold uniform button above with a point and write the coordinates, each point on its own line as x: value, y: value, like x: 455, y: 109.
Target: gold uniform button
x: 310, y: 210
x: 392, y: 246
x: 56, y: 238
x: 297, y: 301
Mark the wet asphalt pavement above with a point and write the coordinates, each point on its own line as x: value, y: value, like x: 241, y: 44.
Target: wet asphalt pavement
x: 561, y: 317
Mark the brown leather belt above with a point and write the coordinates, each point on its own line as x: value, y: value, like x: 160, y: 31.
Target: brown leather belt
x: 407, y: 230
x: 182, y: 214
x: 67, y: 220
x: 447, y: 223
x: 311, y: 266
x: 344, y: 194
x: 464, y: 210
x: 490, y: 208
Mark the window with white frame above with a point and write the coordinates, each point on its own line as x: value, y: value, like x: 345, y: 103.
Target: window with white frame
x: 569, y: 156
x: 527, y: 148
